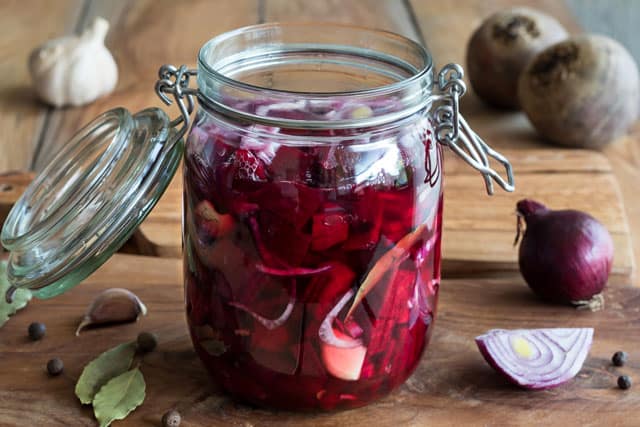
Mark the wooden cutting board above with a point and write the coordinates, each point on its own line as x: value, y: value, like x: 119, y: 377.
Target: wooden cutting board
x: 478, y: 229
x: 452, y: 382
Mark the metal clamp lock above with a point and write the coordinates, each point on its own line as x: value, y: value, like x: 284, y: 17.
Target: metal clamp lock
x: 453, y: 131
x: 174, y: 81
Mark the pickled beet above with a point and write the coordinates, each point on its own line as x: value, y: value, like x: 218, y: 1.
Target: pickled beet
x: 329, y: 228
x: 280, y: 236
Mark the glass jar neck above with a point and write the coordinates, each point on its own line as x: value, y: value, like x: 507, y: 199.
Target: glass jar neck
x: 339, y: 76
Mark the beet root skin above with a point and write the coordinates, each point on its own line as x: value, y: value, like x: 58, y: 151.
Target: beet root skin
x: 502, y: 46
x: 565, y: 256
x: 582, y: 92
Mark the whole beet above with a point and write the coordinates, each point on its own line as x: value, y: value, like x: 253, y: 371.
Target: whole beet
x: 565, y: 256
x: 582, y: 92
x: 502, y: 46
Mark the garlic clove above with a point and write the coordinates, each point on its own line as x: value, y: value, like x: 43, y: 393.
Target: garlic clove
x: 74, y: 70
x: 115, y: 305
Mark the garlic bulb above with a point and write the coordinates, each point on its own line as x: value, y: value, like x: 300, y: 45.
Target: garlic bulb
x: 74, y: 70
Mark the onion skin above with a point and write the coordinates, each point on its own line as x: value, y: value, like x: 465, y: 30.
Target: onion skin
x: 554, y: 355
x: 565, y: 256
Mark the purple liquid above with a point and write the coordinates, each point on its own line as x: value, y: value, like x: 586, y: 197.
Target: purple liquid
x: 278, y: 238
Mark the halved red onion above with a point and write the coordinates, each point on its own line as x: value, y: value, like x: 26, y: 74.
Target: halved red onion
x: 270, y: 323
x: 536, y: 359
x: 291, y: 271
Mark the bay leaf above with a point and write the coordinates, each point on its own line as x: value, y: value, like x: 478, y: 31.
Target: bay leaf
x: 99, y: 371
x: 388, y: 263
x: 20, y: 297
x: 117, y: 398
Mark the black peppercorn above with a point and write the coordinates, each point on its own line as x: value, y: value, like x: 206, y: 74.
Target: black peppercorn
x: 171, y: 419
x: 55, y: 366
x: 619, y: 358
x: 147, y: 342
x: 624, y: 382
x: 37, y: 331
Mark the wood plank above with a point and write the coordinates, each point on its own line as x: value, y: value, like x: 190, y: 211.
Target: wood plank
x: 381, y: 14
x: 143, y: 36
x: 452, y: 380
x: 624, y: 156
x: 23, y: 28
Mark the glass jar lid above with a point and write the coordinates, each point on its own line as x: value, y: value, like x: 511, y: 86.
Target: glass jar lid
x: 90, y: 199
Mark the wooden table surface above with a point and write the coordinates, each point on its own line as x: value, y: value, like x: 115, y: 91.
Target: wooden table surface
x: 453, y: 386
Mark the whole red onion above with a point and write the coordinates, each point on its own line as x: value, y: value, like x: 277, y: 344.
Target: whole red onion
x: 565, y: 256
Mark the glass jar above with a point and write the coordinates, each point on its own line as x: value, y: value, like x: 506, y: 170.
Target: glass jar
x: 312, y: 211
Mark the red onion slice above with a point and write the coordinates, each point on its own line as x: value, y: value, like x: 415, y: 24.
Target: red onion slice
x: 536, y: 359
x: 291, y: 271
x: 270, y: 323
x: 265, y: 255
x: 342, y: 355
x: 327, y: 333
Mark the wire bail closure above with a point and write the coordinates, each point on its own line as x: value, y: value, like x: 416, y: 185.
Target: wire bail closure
x: 174, y: 81
x: 452, y: 129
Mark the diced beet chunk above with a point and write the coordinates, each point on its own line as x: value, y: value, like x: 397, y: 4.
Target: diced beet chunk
x: 393, y: 311
x: 350, y: 328
x: 281, y: 239
x: 278, y: 349
x: 291, y: 164
x: 326, y: 288
x: 329, y: 228
x: 311, y: 365
x: 398, y: 213
x: 367, y: 217
x: 292, y: 202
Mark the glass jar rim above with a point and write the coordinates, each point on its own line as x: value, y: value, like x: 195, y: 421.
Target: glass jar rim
x: 204, y: 65
x: 412, y: 90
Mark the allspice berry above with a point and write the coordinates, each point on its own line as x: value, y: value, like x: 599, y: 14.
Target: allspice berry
x: 37, y: 331
x: 147, y: 342
x: 171, y: 418
x: 619, y: 358
x: 55, y: 366
x: 624, y: 382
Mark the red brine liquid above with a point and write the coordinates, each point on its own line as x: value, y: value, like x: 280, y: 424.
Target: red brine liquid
x: 311, y: 270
